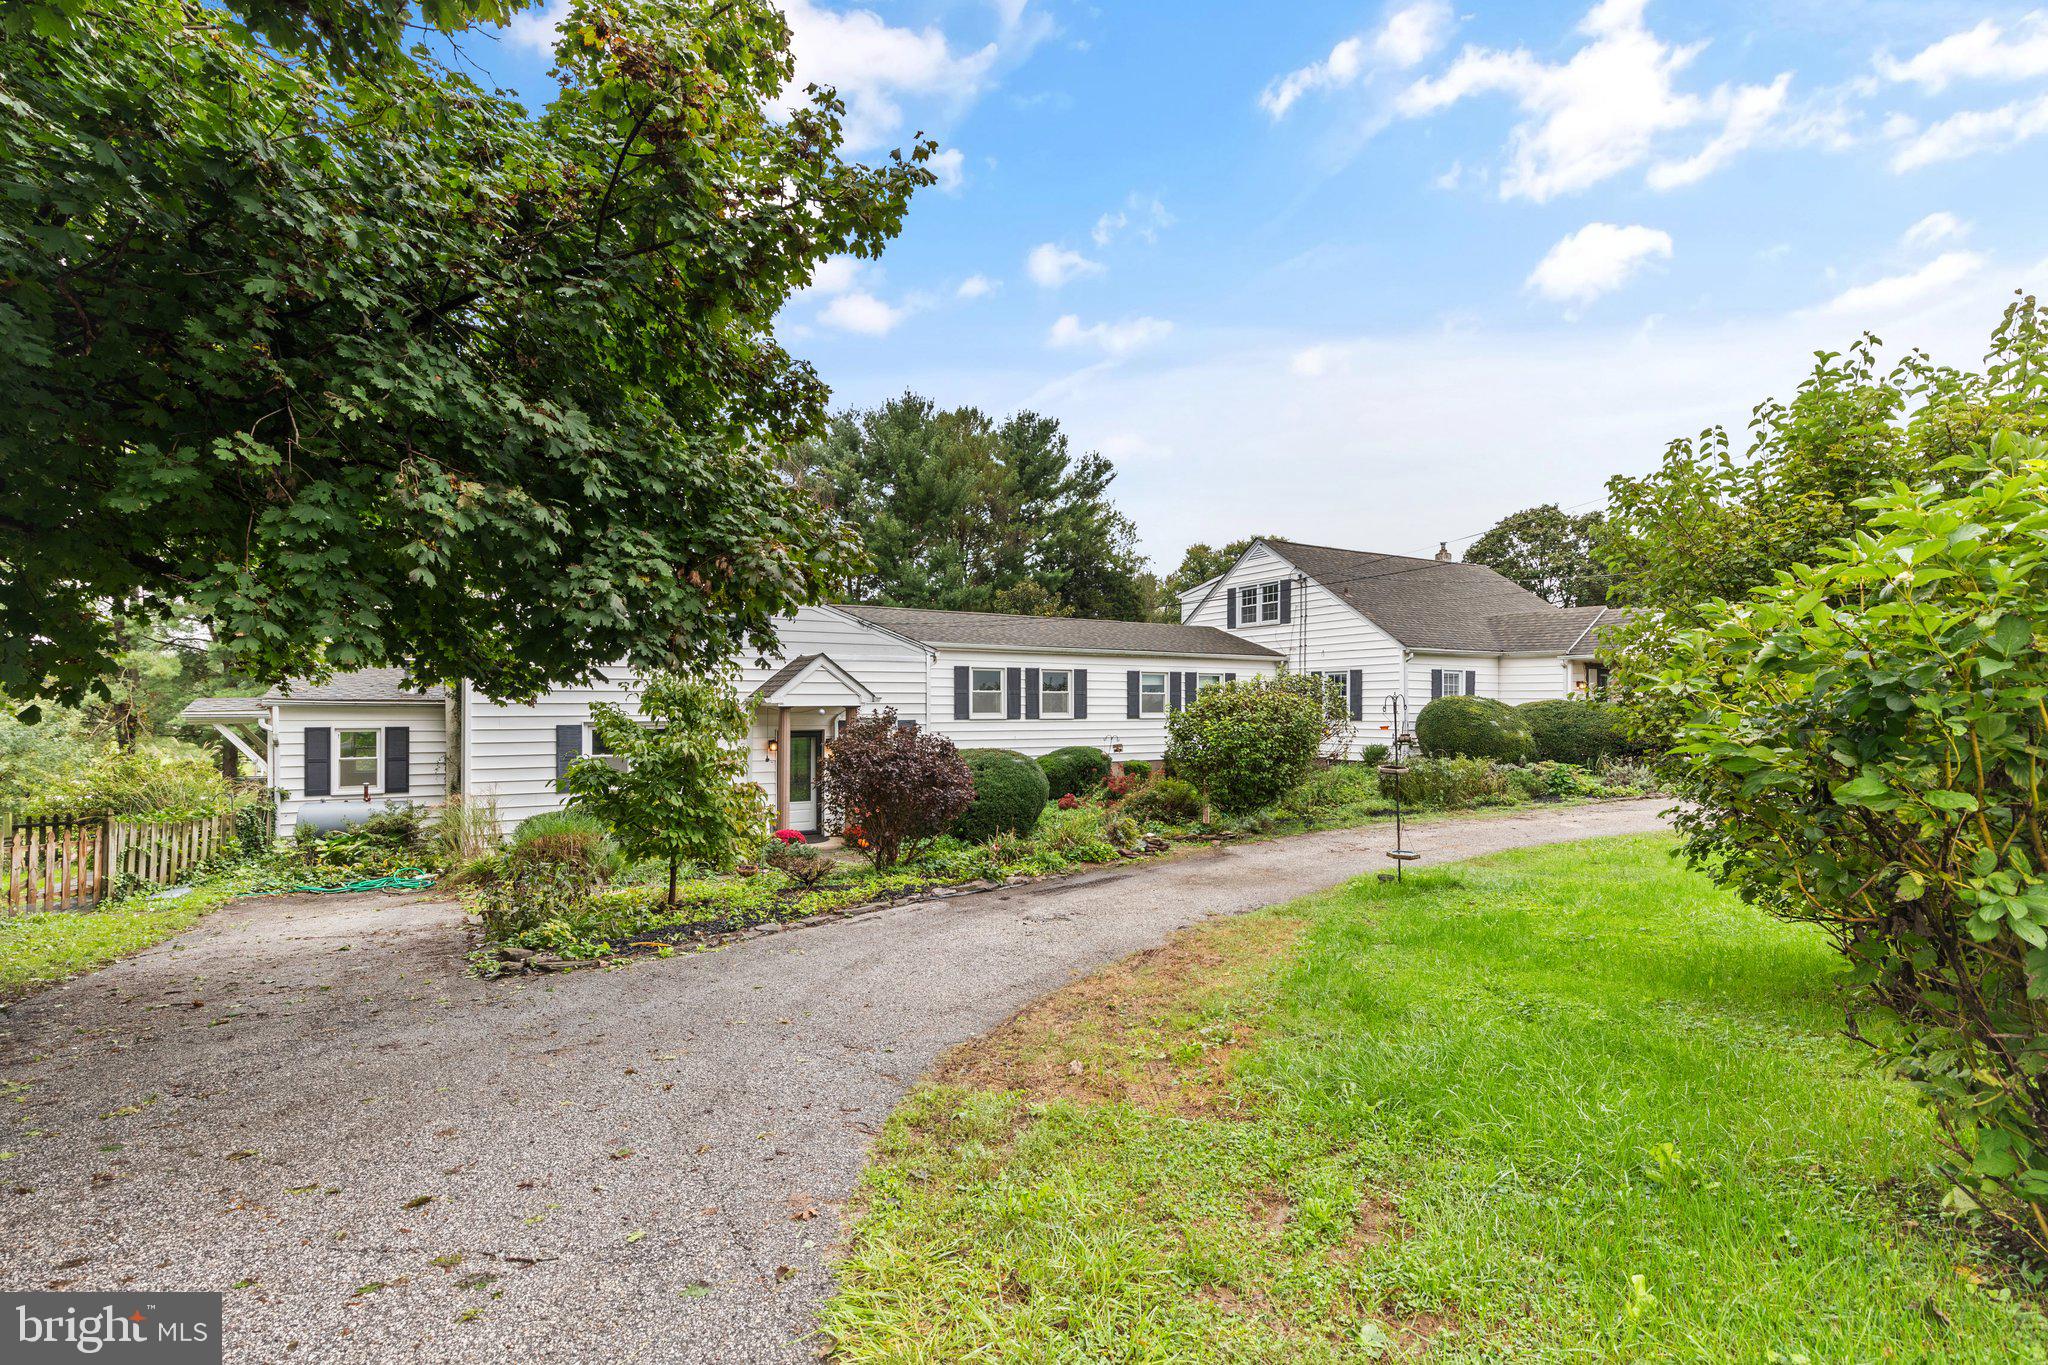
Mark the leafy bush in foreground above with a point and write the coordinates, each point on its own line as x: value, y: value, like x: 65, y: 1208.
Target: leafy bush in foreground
x: 891, y: 788
x: 1574, y: 729
x: 1245, y: 744
x: 1073, y: 770
x: 1170, y: 800
x: 1451, y: 783
x: 1009, y: 792
x: 1860, y: 746
x: 1473, y: 727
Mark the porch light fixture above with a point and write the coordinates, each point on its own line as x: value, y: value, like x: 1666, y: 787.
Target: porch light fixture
x: 771, y: 746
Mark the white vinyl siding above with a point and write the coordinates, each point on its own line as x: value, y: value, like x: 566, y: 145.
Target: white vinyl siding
x: 1485, y: 673
x: 427, y: 762
x: 1107, y: 723
x: 1525, y: 678
x: 1338, y: 640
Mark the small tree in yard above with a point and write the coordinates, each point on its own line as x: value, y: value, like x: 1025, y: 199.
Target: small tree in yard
x: 1245, y: 744
x: 682, y: 791
x: 1861, y: 746
x: 893, y: 787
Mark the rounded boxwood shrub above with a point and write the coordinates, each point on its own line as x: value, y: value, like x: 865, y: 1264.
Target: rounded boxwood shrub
x: 1572, y: 730
x: 1009, y: 792
x: 1138, y: 768
x: 1073, y: 770
x: 1473, y: 727
x: 1171, y: 800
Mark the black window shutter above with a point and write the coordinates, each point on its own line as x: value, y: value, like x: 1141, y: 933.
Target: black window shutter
x: 1173, y: 691
x: 1187, y: 690
x: 1230, y: 607
x: 1471, y: 683
x: 1286, y: 600
x: 1031, y: 694
x: 1131, y: 694
x: 1436, y: 683
x: 568, y: 748
x: 1016, y: 679
x: 319, y: 760
x: 1357, y: 694
x: 397, y: 759
x: 960, y: 692
x: 1080, y: 694
x: 1230, y: 677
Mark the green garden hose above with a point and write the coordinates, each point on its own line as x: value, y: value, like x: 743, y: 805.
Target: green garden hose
x: 405, y: 879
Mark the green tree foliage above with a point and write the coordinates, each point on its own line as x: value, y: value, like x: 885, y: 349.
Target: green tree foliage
x: 1705, y: 524
x: 1203, y: 562
x: 365, y: 365
x: 1245, y: 744
x: 1574, y: 729
x: 964, y: 513
x: 1549, y: 552
x: 889, y: 788
x: 1010, y: 792
x: 1473, y: 727
x: 680, y: 790
x: 1860, y: 746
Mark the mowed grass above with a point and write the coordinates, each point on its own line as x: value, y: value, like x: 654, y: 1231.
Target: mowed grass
x: 1564, y: 1104
x: 40, y: 948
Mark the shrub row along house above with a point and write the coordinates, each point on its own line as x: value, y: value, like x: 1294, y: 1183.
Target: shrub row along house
x: 332, y: 751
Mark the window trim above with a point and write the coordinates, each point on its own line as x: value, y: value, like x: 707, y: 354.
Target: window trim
x: 1269, y: 601
x: 1045, y: 677
x: 1145, y: 693
x: 1248, y: 604
x: 1454, y: 682
x: 592, y: 749
x: 376, y: 734
x: 1342, y: 677
x: 1205, y: 681
x: 975, y: 693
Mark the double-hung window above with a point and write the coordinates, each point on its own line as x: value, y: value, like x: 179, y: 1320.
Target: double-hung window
x: 986, y: 697
x: 1205, y: 681
x: 1454, y: 683
x: 355, y: 757
x: 1342, y: 689
x: 1258, y: 602
x: 1151, y: 694
x: 1055, y: 692
x: 1269, y: 601
x: 596, y: 747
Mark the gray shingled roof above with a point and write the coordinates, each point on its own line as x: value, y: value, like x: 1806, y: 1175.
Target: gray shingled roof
x: 1602, y: 636
x: 1423, y: 603
x: 1554, y: 630
x: 365, y: 684
x: 206, y: 708
x: 1056, y: 633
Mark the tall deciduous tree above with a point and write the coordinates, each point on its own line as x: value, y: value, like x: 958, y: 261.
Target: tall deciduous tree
x: 1549, y: 552
x: 959, y: 511
x: 365, y: 365
x: 1203, y: 562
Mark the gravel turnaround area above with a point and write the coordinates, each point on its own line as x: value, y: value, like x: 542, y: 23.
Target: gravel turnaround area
x: 307, y: 1103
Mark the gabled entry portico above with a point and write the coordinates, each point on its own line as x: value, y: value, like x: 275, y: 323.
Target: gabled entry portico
x: 811, y: 697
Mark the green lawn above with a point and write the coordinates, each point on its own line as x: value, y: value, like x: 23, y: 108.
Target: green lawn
x: 1569, y: 1103
x: 40, y: 948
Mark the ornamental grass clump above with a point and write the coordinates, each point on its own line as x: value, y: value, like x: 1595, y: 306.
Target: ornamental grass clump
x: 1861, y: 746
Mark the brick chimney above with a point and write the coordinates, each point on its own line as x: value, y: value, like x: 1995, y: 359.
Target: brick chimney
x: 1443, y: 551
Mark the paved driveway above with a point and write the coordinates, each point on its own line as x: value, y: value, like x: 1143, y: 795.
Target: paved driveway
x: 307, y: 1103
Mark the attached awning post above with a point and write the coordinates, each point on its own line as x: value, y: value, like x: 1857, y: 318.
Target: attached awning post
x: 782, y: 767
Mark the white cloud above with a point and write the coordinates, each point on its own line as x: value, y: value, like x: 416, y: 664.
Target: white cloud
x: 1111, y: 338
x: 1984, y: 53
x: 1409, y: 37
x: 1605, y: 110
x: 1935, y: 227
x: 1890, y: 294
x: 860, y: 311
x: 1597, y: 259
x: 1967, y: 133
x: 874, y: 64
x: 948, y: 166
x: 536, y: 29
x: 975, y: 287
x: 1051, y: 266
x: 1313, y: 362
x: 834, y: 275
x: 1143, y: 215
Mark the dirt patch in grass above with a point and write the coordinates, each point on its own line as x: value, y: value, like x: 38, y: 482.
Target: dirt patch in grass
x: 1159, y: 1029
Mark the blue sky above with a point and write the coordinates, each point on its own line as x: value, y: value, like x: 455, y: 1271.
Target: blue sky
x: 1375, y: 275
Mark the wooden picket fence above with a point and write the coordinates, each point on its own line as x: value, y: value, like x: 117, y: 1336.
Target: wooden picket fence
x: 73, y: 864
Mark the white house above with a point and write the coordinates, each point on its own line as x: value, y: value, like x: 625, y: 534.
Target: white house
x: 1392, y: 626
x: 333, y: 750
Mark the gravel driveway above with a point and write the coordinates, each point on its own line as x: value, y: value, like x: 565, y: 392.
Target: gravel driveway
x: 307, y: 1102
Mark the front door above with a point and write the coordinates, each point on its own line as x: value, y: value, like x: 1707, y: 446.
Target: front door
x: 804, y: 746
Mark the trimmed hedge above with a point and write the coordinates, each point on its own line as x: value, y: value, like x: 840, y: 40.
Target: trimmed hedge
x: 1075, y: 769
x: 1473, y: 727
x: 1009, y: 793
x: 1138, y: 768
x: 1571, y: 730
